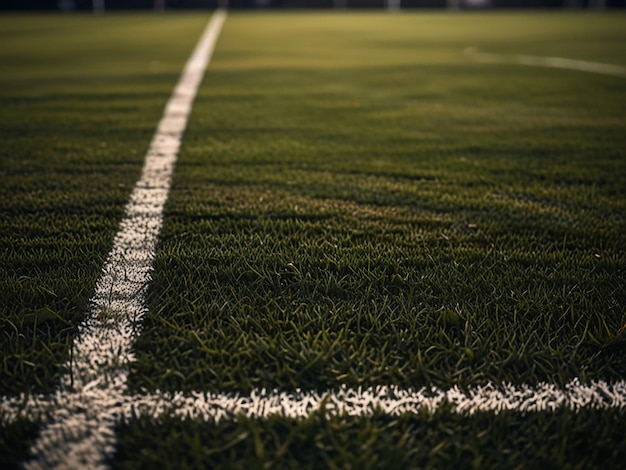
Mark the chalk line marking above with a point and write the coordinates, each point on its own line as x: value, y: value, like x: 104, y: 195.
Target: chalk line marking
x: 550, y: 62
x: 78, y: 419
x: 78, y: 430
x: 390, y: 400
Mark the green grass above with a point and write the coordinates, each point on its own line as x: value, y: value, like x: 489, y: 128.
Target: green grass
x: 80, y: 98
x: 15, y: 439
x: 564, y: 439
x: 355, y: 203
x: 361, y: 205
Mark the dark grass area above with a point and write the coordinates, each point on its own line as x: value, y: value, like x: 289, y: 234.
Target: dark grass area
x: 80, y: 98
x: 563, y: 439
x: 391, y: 215
x: 15, y: 439
x: 355, y: 203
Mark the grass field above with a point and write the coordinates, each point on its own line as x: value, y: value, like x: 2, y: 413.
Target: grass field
x: 356, y: 203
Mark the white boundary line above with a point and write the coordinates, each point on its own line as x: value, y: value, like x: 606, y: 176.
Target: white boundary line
x: 79, y: 418
x: 79, y: 429
x: 550, y: 62
x: 391, y: 400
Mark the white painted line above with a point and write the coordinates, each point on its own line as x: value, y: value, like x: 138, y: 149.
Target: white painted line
x: 551, y: 62
x: 79, y: 418
x: 79, y: 429
x: 390, y: 400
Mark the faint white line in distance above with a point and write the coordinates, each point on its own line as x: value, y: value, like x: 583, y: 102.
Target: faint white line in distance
x: 550, y: 62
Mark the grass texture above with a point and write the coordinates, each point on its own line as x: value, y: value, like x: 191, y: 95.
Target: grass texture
x: 564, y: 439
x: 80, y: 98
x: 356, y: 203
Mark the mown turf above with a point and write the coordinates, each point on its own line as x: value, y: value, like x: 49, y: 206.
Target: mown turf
x: 563, y: 439
x: 357, y: 203
x: 80, y: 98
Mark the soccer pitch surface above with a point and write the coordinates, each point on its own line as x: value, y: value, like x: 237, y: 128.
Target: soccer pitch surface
x: 387, y: 241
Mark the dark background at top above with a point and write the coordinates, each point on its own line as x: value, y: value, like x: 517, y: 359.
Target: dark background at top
x: 183, y: 4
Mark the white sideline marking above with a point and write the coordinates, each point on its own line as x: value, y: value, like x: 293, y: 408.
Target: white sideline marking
x: 79, y: 429
x: 218, y: 407
x: 551, y: 62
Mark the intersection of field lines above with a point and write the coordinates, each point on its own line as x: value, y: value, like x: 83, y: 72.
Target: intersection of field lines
x: 355, y: 204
